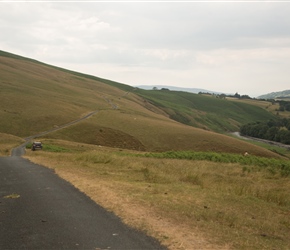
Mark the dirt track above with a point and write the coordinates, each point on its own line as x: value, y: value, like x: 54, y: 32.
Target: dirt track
x: 19, y: 151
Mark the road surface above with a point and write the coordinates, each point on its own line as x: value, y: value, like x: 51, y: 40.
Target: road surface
x: 39, y: 210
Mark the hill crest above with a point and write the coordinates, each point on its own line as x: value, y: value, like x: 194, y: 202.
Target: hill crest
x: 276, y: 95
x: 190, y: 90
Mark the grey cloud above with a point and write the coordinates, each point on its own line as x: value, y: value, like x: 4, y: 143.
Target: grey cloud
x: 196, y: 42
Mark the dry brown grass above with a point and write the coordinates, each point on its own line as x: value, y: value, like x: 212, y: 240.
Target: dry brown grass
x: 35, y: 97
x: 184, y: 204
x: 7, y: 142
x: 262, y: 104
x: 152, y: 133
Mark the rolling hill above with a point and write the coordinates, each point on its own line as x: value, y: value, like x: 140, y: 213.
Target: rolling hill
x: 206, y: 111
x: 36, y: 97
x: 276, y: 95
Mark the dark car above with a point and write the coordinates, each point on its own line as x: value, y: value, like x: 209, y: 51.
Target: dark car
x: 36, y: 145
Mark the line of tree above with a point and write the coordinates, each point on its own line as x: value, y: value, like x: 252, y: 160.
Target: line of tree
x: 284, y: 106
x: 273, y: 130
x: 223, y: 96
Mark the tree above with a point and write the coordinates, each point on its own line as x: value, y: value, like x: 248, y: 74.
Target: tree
x: 237, y: 95
x: 245, y: 97
x: 283, y: 136
x: 282, y: 108
x: 271, y: 123
x: 287, y: 125
x: 271, y: 133
x: 273, y: 130
x: 263, y: 128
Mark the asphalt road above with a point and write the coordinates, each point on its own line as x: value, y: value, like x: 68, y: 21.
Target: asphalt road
x: 39, y: 210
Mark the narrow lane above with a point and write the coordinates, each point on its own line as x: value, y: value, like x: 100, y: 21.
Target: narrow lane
x: 39, y: 210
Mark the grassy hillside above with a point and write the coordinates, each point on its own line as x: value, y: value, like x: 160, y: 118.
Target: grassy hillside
x: 206, y: 111
x: 95, y: 78
x: 36, y: 97
x: 272, y: 107
x: 134, y: 131
x: 276, y: 95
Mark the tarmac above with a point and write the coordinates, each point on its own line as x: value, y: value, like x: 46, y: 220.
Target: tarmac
x: 39, y: 210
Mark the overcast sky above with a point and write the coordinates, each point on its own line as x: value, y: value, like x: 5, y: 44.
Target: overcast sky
x: 220, y: 46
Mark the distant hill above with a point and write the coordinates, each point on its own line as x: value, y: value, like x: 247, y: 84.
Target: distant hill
x: 276, y: 95
x: 190, y: 90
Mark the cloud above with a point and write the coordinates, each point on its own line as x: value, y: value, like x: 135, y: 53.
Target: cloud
x: 226, y: 47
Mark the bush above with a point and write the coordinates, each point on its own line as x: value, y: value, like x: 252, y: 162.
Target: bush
x: 274, y: 166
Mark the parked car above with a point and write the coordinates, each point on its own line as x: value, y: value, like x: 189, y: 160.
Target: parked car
x: 36, y: 145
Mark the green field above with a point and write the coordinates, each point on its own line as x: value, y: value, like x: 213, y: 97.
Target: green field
x: 206, y: 111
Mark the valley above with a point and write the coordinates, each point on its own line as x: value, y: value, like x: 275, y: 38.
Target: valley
x: 163, y: 161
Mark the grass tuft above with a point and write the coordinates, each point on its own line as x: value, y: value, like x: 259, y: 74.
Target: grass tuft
x: 8, y: 142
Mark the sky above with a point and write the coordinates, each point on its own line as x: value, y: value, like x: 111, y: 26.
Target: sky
x: 225, y: 46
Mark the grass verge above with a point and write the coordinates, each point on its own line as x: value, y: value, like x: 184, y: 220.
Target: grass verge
x: 185, y: 203
x: 7, y: 142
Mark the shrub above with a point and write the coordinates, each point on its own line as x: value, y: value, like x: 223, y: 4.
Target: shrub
x: 274, y: 166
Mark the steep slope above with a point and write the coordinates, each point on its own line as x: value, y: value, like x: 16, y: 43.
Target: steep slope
x: 206, y: 112
x: 107, y: 128
x: 36, y: 97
